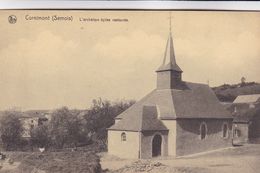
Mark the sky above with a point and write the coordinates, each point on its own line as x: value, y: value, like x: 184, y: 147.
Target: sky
x: 46, y: 64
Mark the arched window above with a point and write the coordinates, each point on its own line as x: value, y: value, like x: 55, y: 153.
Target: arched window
x: 203, y: 130
x: 225, y: 130
x: 237, y: 133
x: 123, y: 136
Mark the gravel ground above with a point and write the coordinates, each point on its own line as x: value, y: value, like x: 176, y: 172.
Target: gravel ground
x: 243, y: 159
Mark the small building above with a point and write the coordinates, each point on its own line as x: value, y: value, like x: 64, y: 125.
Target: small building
x: 246, y: 123
x: 31, y: 119
x: 28, y: 124
x: 175, y: 119
x: 244, y: 102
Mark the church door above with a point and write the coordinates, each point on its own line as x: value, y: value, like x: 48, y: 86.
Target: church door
x: 157, y: 145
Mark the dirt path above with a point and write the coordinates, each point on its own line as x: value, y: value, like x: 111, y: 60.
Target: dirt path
x: 246, y: 164
x: 239, y: 160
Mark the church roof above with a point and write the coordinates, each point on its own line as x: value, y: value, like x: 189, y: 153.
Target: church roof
x: 145, y: 121
x: 196, y: 101
x: 169, y: 61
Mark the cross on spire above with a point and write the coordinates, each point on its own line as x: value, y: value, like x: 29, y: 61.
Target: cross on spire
x: 170, y: 22
x: 169, y: 61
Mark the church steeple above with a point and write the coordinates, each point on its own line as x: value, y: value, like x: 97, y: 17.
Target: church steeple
x: 169, y: 73
x: 169, y: 61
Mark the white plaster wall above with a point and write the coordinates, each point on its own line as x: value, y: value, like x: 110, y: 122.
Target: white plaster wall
x: 171, y: 125
x: 123, y: 149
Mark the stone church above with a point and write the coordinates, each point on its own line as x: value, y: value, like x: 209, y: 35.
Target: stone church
x: 177, y: 118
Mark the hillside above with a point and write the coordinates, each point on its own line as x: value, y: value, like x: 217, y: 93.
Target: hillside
x: 227, y: 92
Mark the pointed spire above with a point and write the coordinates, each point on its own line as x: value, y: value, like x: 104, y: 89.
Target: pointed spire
x: 169, y: 61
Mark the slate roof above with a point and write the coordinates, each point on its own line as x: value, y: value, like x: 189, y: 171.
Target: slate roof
x: 197, y: 101
x: 145, y: 121
x: 253, y: 98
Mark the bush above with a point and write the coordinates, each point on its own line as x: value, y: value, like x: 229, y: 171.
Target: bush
x: 101, y: 116
x: 11, y: 130
x: 40, y: 136
x: 66, y: 129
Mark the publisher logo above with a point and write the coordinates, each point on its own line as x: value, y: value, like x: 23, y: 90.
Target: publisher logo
x: 12, y: 19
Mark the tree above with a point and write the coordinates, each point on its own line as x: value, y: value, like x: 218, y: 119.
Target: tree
x: 40, y: 136
x: 66, y: 128
x: 101, y: 116
x: 11, y: 130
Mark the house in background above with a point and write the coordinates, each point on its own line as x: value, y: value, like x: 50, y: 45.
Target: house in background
x: 246, y: 124
x: 244, y: 102
x: 177, y: 118
x: 31, y: 119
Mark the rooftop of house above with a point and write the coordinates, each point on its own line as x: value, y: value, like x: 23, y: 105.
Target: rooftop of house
x: 253, y: 98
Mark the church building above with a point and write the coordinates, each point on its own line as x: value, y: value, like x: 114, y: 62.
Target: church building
x: 177, y: 118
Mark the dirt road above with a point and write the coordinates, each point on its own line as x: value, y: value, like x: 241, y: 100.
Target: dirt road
x: 245, y: 159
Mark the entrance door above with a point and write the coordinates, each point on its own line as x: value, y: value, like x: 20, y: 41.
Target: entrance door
x: 157, y: 145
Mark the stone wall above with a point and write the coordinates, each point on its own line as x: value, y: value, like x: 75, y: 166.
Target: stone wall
x: 188, y: 139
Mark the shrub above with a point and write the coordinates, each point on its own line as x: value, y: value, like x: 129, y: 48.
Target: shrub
x: 11, y: 130
x: 40, y: 136
x: 66, y: 129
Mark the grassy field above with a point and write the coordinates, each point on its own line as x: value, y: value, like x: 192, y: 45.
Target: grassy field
x: 52, y: 162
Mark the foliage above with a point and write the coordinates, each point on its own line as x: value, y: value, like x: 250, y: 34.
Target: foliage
x: 101, y: 116
x: 11, y: 130
x: 66, y: 128
x: 40, y: 136
x: 228, y: 93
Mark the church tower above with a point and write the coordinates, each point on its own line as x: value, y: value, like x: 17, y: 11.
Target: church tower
x: 169, y: 74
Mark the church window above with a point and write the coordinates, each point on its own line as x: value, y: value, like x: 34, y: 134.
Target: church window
x: 237, y: 133
x: 203, y: 130
x: 225, y: 130
x: 123, y: 136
